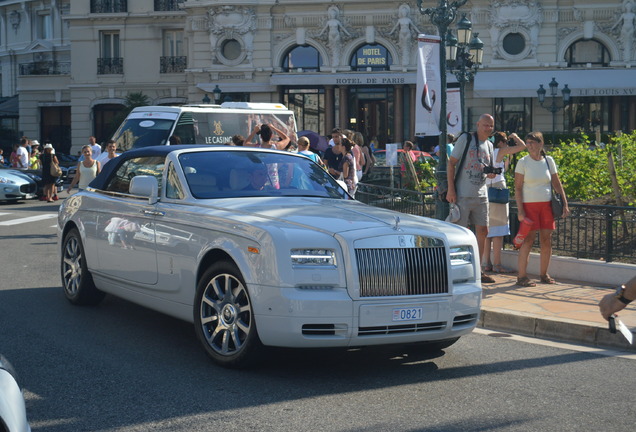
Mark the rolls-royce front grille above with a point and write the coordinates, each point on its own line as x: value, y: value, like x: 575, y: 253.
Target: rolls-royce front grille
x: 402, y: 272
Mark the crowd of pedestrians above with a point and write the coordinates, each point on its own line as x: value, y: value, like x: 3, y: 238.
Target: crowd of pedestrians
x: 477, y: 164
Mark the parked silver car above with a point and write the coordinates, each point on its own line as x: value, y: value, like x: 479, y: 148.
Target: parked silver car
x: 16, y: 185
x: 12, y: 409
x: 262, y: 247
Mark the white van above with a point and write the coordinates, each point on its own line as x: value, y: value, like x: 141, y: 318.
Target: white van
x: 199, y: 124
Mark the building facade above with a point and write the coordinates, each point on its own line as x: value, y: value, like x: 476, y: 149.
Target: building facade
x: 353, y: 64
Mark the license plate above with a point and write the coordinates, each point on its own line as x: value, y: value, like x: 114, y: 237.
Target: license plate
x: 407, y: 314
x: 30, y: 196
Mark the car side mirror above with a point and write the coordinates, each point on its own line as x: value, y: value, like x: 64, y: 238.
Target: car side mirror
x: 146, y: 186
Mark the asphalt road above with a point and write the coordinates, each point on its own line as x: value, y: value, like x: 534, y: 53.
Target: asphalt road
x: 120, y: 367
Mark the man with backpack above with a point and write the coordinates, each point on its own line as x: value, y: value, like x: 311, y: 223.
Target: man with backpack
x: 467, y: 180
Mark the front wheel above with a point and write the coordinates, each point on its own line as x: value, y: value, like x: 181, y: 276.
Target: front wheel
x: 224, y: 317
x: 77, y: 281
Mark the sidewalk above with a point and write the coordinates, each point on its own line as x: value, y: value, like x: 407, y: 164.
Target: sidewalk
x: 567, y: 311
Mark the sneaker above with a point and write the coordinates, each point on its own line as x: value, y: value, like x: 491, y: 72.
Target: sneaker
x: 487, y: 279
x: 55, y: 198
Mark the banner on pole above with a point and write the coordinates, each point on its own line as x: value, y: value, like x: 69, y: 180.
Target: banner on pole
x: 454, y: 111
x: 428, y: 89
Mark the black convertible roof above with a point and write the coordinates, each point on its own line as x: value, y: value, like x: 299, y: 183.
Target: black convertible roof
x: 163, y: 150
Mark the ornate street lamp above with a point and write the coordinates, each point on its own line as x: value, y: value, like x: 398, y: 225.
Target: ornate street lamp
x: 217, y: 94
x: 553, y: 107
x: 464, y: 55
x: 442, y: 16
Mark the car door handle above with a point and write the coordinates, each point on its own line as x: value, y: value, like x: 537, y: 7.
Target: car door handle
x: 152, y: 213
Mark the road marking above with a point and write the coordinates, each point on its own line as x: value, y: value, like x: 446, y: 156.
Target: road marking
x: 4, y: 214
x: 561, y: 345
x: 28, y: 219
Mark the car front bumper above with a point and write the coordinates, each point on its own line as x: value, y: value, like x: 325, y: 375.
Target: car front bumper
x: 291, y: 317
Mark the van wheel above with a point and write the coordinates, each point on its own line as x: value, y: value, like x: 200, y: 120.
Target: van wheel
x: 224, y: 317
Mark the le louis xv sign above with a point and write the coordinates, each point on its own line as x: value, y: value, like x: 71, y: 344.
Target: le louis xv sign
x: 605, y: 92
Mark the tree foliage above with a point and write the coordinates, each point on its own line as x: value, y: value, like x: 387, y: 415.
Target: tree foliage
x: 585, y: 171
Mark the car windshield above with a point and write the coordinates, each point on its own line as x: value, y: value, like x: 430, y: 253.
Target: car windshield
x: 143, y: 132
x: 225, y: 174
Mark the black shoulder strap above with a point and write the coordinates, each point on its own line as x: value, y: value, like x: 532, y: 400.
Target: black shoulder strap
x: 458, y: 167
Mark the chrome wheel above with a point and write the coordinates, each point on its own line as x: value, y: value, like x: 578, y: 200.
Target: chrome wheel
x: 226, y: 314
x: 77, y: 281
x: 72, y: 266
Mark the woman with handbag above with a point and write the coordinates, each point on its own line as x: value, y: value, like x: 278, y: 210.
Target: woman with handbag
x: 535, y: 176
x: 498, y: 194
x: 48, y: 159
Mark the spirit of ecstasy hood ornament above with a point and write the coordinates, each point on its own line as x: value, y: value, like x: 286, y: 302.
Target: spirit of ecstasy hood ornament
x: 397, y: 223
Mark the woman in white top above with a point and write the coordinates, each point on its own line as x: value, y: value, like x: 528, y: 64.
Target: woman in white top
x: 498, y: 225
x: 535, y: 175
x: 87, y: 170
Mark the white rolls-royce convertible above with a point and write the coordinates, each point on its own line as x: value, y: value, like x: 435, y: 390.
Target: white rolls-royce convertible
x: 264, y: 248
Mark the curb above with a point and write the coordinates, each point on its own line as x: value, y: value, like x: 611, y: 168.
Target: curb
x: 561, y: 330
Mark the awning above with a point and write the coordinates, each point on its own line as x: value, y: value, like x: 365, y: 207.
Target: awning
x: 9, y: 107
x: 582, y: 82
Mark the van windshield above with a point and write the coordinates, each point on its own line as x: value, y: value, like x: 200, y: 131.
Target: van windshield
x: 143, y: 132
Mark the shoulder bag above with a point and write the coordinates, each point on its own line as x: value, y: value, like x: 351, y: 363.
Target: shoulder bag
x: 498, y: 195
x: 555, y: 199
x: 56, y: 171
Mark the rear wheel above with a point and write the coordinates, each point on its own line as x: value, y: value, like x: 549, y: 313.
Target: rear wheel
x: 224, y: 317
x: 77, y: 281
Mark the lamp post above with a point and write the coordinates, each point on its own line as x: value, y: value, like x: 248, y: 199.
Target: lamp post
x: 217, y: 94
x: 464, y: 55
x: 553, y: 107
x: 442, y: 16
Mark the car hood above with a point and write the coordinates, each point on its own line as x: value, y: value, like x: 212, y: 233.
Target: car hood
x: 331, y: 216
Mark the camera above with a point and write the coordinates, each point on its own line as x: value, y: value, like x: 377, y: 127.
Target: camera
x: 492, y: 170
x: 511, y: 142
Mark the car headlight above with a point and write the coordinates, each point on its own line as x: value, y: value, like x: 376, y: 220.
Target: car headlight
x: 461, y: 255
x: 6, y: 180
x: 313, y: 257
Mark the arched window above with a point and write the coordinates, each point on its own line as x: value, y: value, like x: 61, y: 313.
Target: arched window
x: 305, y: 57
x: 582, y: 52
x: 371, y: 57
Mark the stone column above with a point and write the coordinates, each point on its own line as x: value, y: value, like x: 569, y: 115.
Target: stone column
x: 412, y: 105
x: 330, y: 109
x: 343, y: 120
x: 398, y: 113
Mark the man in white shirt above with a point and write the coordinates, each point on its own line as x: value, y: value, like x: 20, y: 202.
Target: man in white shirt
x: 110, y: 153
x: 95, y: 148
x: 23, y: 154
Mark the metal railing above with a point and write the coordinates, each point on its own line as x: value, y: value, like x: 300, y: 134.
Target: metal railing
x: 605, y: 233
x: 172, y: 64
x: 45, y: 68
x: 168, y: 5
x: 106, y: 66
x: 109, y: 6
